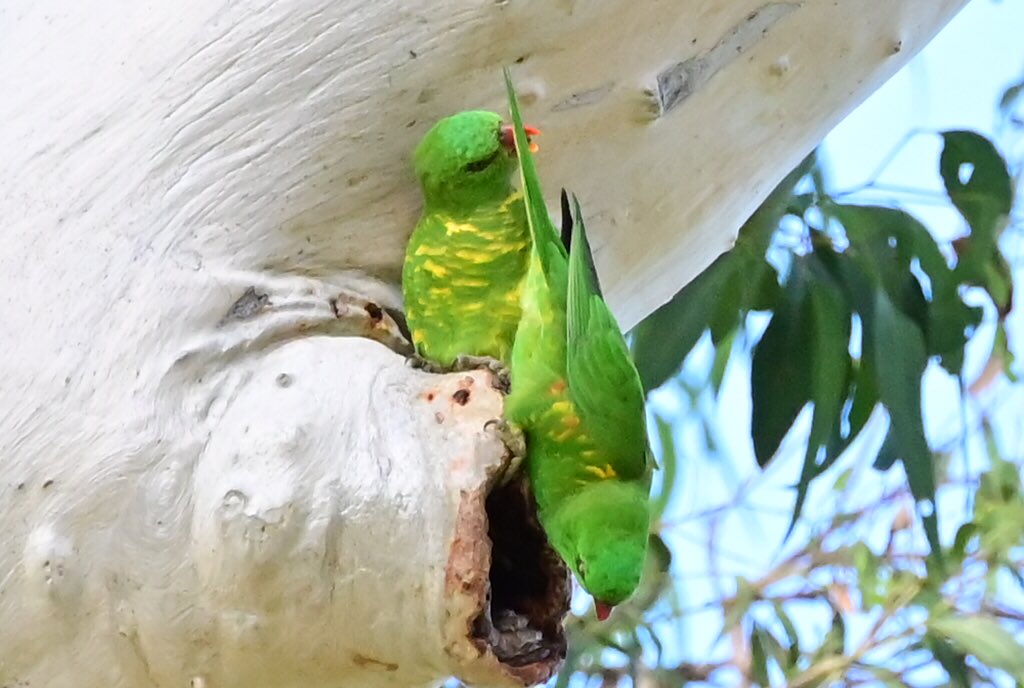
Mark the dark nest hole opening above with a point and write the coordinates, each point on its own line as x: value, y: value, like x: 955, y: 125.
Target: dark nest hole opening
x: 528, y: 594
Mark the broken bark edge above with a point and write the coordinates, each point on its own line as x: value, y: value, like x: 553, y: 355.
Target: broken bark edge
x: 508, y: 591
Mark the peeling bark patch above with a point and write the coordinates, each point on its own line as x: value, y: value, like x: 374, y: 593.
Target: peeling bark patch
x: 461, y: 397
x: 679, y: 81
x: 583, y: 98
x: 247, y: 305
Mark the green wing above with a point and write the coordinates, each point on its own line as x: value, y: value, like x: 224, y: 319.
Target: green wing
x: 601, y: 376
x: 545, y: 239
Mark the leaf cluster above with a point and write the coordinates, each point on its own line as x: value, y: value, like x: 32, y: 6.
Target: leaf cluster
x: 860, y: 298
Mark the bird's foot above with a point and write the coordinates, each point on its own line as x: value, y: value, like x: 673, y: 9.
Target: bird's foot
x: 515, y: 442
x: 502, y: 377
x: 417, y: 362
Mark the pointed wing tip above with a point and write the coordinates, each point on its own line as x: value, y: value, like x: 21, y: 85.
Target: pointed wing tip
x: 580, y: 246
x: 567, y: 221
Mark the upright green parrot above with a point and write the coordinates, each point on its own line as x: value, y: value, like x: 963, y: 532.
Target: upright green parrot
x: 468, y: 253
x: 577, y: 397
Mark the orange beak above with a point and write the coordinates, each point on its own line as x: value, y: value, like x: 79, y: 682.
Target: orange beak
x: 602, y: 609
x: 508, y: 137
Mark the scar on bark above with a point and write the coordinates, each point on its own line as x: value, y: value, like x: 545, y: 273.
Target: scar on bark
x: 521, y: 588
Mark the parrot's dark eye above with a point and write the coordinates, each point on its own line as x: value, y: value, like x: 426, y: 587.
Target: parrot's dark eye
x: 483, y: 163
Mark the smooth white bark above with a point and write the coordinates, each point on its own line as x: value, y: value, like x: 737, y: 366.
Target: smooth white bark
x: 204, y: 485
x: 270, y: 504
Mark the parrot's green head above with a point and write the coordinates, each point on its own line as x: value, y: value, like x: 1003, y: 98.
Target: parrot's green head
x: 602, y: 533
x: 467, y: 159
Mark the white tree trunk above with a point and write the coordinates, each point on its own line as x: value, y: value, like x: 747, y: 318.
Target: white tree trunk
x: 205, y: 479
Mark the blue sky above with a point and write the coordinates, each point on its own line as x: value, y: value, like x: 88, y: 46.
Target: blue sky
x: 953, y: 84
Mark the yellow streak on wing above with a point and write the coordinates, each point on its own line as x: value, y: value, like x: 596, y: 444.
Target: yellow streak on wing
x: 440, y: 291
x: 562, y: 436
x: 562, y: 407
x: 514, y: 197
x: 604, y: 473
x: 476, y: 256
x: 428, y: 250
x: 453, y: 227
x: 435, y: 269
x: 494, y: 250
x: 571, y: 420
x: 418, y: 336
x: 588, y: 453
x: 468, y: 282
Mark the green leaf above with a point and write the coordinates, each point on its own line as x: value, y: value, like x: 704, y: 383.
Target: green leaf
x: 865, y: 394
x: 736, y: 608
x: 976, y: 178
x: 885, y: 243
x: 655, y: 578
x: 964, y: 535
x: 955, y: 663
x: 780, y: 375
x: 723, y: 354
x: 793, y: 651
x: 866, y: 564
x: 766, y: 292
x: 830, y: 362
x: 978, y: 183
x: 984, y: 638
x: 758, y: 656
x: 899, y: 372
x: 835, y: 640
x: 999, y: 284
x: 728, y: 302
x: 669, y: 468
x: 739, y: 280
x: 662, y: 341
x: 888, y: 454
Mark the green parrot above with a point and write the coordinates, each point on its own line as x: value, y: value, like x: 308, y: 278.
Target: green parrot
x: 577, y: 397
x: 468, y: 253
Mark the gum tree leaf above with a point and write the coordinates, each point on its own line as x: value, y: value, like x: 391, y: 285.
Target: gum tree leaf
x: 830, y: 361
x: 780, y: 375
x: 899, y: 373
x: 662, y: 341
x: 977, y: 181
x: 984, y: 638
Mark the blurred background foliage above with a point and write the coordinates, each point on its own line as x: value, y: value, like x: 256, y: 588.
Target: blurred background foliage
x: 833, y: 310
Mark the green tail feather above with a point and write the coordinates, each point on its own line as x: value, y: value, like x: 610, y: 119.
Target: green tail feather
x: 545, y: 239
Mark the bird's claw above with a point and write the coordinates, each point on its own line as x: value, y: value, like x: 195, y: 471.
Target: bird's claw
x: 417, y: 362
x: 515, y: 442
x: 502, y: 378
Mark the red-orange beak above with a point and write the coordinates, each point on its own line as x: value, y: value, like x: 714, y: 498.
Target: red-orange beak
x: 508, y: 137
x: 602, y: 609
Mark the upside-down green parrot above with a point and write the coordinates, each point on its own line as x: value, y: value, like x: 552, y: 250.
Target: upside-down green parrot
x: 468, y: 253
x: 577, y: 397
